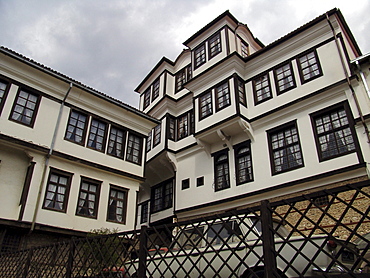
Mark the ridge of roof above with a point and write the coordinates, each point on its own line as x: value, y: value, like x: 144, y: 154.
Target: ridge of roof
x: 65, y: 78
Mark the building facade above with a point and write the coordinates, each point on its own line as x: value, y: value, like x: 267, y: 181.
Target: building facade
x: 242, y: 122
x: 71, y: 157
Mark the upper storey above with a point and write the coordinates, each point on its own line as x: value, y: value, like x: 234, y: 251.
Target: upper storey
x: 208, y: 47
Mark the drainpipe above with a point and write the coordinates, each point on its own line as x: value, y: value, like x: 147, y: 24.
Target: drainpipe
x: 47, y: 158
x: 349, y: 82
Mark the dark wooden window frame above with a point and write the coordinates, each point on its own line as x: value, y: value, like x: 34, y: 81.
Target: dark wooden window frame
x: 4, y: 93
x: 208, y: 105
x: 156, y: 86
x: 75, y: 126
x: 222, y: 95
x: 255, y: 90
x: 164, y: 198
x: 112, y: 208
x: 113, y: 148
x: 25, y: 106
x: 348, y: 126
x: 185, y: 184
x: 291, y: 164
x: 214, y: 49
x: 94, y: 143
x: 130, y: 150
x: 157, y: 135
x: 220, y: 161
x: 200, y: 181
x: 144, y: 217
x: 182, y: 76
x: 67, y: 186
x: 200, y: 59
x: 87, y: 200
x: 301, y: 69
x: 247, y: 156
x: 146, y: 96
x: 281, y: 77
x: 240, y: 89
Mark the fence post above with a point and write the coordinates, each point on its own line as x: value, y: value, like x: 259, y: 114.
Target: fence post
x: 70, y: 258
x: 143, y: 252
x: 268, y: 240
x: 28, y: 263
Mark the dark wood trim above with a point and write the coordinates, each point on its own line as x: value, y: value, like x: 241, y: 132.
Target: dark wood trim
x: 26, y: 189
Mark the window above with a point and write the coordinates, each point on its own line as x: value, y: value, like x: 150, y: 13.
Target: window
x: 57, y: 190
x: 88, y: 198
x: 149, y: 141
x: 309, y: 66
x: 222, y: 96
x: 185, y: 184
x: 155, y: 93
x: 285, y: 149
x: 244, y: 49
x: 200, y: 181
x: 117, y: 205
x: 200, y: 55
x: 157, y: 135
x: 214, y: 45
x: 182, y: 77
x: 205, y: 105
x: 182, y: 126
x: 261, y: 88
x: 222, y: 179
x: 134, y: 148
x: 333, y: 129
x: 3, y: 93
x: 162, y: 196
x: 147, y: 98
x: 241, y: 92
x: 97, y: 135
x: 76, y: 128
x: 116, y: 142
x: 25, y: 108
x: 243, y: 163
x: 284, y: 78
x: 171, y: 128
x: 144, y: 212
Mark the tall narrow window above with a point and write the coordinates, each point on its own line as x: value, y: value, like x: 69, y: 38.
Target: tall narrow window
x: 243, y: 163
x: 261, y: 88
x: 309, y: 66
x: 205, y: 105
x: 244, y: 49
x: 171, y: 128
x: 3, y: 93
x: 147, y: 98
x: 116, y: 142
x: 182, y: 126
x: 214, y: 45
x: 157, y: 135
x: 57, y: 190
x: 97, y: 135
x: 117, y: 204
x: 134, y: 148
x: 222, y: 96
x: 241, y: 92
x: 285, y: 149
x: 333, y: 129
x: 88, y: 198
x: 180, y: 79
x: 200, y: 55
x: 222, y: 178
x: 155, y: 93
x: 144, y: 212
x: 25, y: 108
x: 149, y: 141
x: 284, y: 78
x: 76, y: 128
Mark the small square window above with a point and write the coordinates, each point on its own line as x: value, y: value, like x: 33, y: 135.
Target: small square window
x: 25, y: 108
x: 200, y: 181
x: 185, y: 184
x: 262, y: 88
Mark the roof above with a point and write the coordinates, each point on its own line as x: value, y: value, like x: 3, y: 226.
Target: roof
x: 65, y: 78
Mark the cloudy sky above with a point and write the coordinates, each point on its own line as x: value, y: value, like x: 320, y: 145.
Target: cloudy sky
x: 111, y: 45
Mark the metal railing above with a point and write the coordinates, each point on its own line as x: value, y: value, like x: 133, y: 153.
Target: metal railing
x: 323, y: 233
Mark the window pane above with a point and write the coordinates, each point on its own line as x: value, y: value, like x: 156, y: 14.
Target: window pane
x: 205, y: 105
x: 116, y: 142
x: 117, y: 205
x: 24, y: 108
x: 88, y: 197
x: 309, y: 66
x: 222, y: 179
x: 199, y: 56
x: 134, y: 147
x: 76, y: 127
x: 214, y: 45
x: 223, y: 96
x: 262, y: 88
x: 284, y: 78
x: 97, y: 135
x: 57, y: 191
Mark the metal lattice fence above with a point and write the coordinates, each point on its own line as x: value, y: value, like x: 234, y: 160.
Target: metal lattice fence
x: 319, y: 234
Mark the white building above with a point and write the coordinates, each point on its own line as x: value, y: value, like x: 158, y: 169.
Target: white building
x: 243, y: 122
x: 71, y: 157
